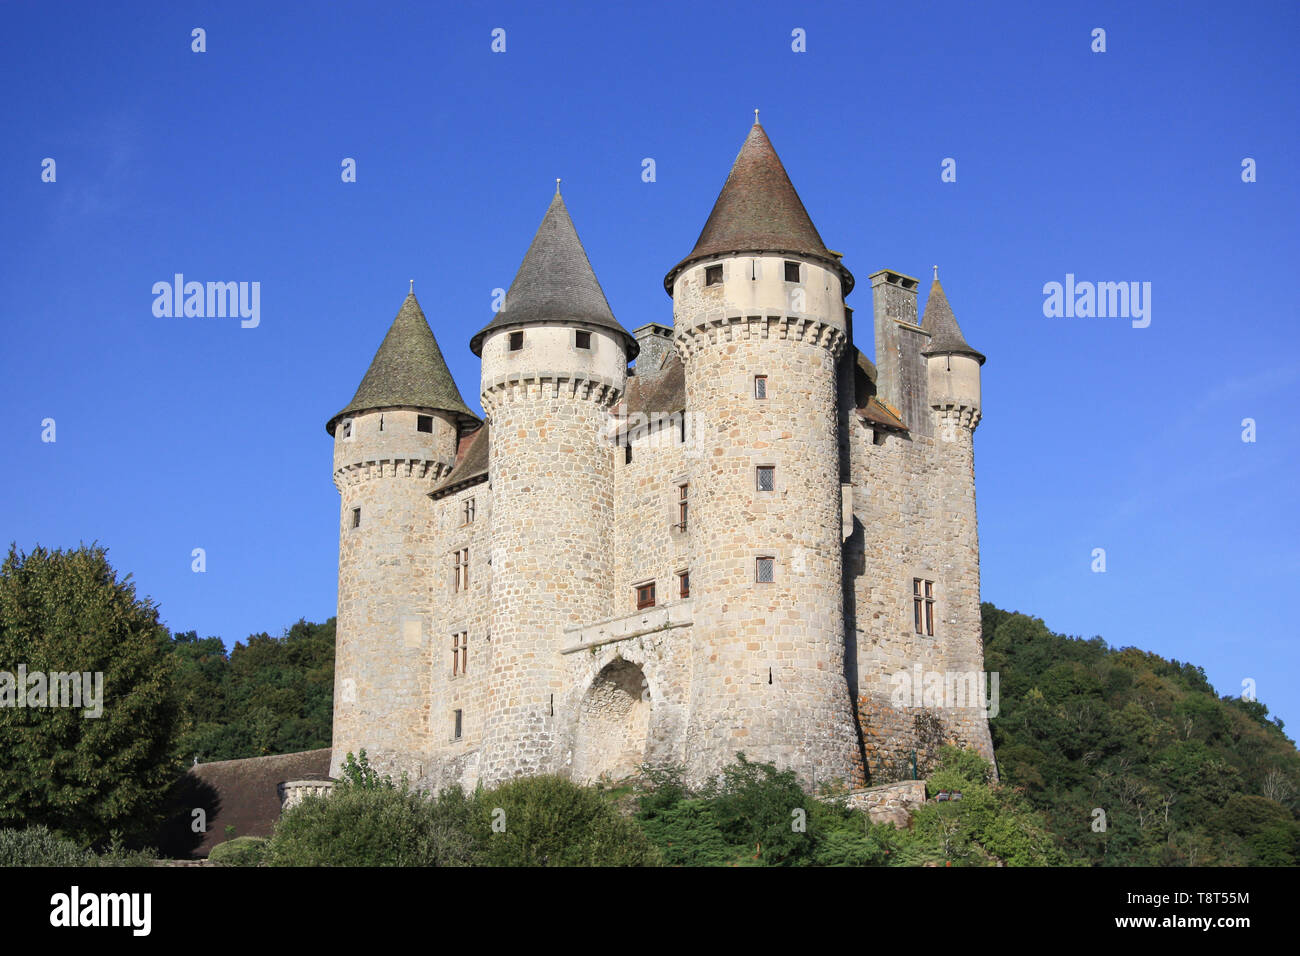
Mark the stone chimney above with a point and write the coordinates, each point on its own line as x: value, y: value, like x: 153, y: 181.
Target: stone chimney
x: 655, y: 341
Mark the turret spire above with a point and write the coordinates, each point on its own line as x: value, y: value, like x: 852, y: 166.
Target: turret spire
x: 555, y: 283
x: 945, y: 334
x: 408, y: 370
x: 758, y: 210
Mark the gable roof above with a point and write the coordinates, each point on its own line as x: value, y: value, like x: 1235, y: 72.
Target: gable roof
x: 759, y: 210
x: 555, y: 283
x: 407, y: 370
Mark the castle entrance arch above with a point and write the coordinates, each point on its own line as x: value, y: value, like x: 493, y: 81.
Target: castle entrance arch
x: 613, y: 724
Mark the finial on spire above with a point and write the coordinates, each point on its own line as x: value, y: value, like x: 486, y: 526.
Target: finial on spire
x: 936, y: 273
x: 557, y: 185
x: 755, y: 117
x: 412, y: 287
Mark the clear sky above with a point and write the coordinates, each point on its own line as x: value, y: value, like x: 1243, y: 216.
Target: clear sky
x: 1123, y: 166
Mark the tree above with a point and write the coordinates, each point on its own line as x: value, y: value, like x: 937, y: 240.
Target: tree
x: 82, y: 773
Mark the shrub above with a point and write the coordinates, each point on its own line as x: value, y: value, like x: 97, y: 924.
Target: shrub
x: 356, y: 826
x: 551, y: 821
x: 37, y: 846
x: 241, y: 851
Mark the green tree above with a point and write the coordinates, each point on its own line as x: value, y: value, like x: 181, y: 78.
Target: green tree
x: 81, y: 775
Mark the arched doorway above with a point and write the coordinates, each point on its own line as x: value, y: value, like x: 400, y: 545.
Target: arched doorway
x: 613, y: 724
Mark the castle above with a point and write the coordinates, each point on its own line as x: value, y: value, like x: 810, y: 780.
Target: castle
x: 739, y: 544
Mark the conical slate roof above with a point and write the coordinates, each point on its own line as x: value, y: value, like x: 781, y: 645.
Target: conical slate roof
x: 758, y: 210
x: 945, y: 334
x: 555, y: 283
x: 408, y: 370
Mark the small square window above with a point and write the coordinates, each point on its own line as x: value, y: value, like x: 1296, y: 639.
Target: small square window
x: 713, y: 275
x: 516, y: 341
x: 456, y: 724
x: 582, y: 340
x: 356, y: 517
x: 760, y: 386
x: 765, y: 570
x: 791, y: 271
x: 645, y: 595
x: 424, y: 423
x: 684, y: 584
x: 766, y: 475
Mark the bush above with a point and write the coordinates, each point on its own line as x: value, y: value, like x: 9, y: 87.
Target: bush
x: 37, y: 846
x: 551, y: 821
x: 241, y: 851
x: 356, y: 826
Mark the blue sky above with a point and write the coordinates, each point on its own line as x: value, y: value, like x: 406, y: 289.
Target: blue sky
x: 177, y: 433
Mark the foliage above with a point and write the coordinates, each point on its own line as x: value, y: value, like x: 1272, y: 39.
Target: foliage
x: 551, y: 821
x: 272, y: 695
x: 38, y: 846
x: 241, y: 851
x: 381, y: 826
x: 84, y: 776
x: 1183, y: 776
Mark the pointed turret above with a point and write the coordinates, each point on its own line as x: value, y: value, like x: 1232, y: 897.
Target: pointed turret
x: 945, y: 334
x: 759, y: 210
x: 555, y: 283
x: 407, y: 371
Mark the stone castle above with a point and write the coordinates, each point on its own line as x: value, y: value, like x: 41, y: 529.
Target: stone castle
x: 737, y: 545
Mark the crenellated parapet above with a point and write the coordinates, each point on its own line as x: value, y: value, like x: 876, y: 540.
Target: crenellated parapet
x: 715, y: 329
x: 530, y: 386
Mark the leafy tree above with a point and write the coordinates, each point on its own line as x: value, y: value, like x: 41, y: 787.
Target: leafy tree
x: 81, y: 775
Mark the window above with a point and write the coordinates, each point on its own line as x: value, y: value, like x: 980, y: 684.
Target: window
x: 766, y: 478
x: 760, y: 386
x: 356, y: 517
x: 627, y: 452
x: 645, y: 595
x: 381, y: 422
x: 764, y: 569
x: 460, y: 569
x: 456, y: 724
x: 467, y: 511
x: 791, y: 271
x: 459, y: 652
x: 683, y: 505
x: 681, y: 427
x: 516, y: 341
x: 347, y: 428
x: 582, y: 340
x: 424, y: 423
x: 683, y: 584
x: 923, y: 606
x: 713, y: 275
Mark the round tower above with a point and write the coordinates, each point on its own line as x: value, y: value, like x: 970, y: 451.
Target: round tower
x: 554, y: 362
x: 392, y: 443
x: 953, y: 393
x: 759, y: 317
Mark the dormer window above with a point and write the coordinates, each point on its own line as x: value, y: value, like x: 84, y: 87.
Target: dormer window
x: 582, y: 340
x: 713, y: 275
x: 791, y: 271
x: 424, y: 423
x: 516, y: 341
